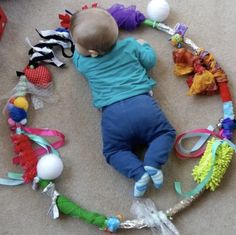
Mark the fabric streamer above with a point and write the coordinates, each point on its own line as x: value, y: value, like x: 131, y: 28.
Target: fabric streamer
x: 52, y: 43
x: 40, y: 141
x: 45, y: 54
x: 63, y: 40
x: 49, y: 133
x: 13, y: 179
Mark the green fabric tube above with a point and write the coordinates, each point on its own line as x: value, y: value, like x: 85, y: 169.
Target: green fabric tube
x: 44, y: 183
x: 149, y: 23
x: 66, y: 206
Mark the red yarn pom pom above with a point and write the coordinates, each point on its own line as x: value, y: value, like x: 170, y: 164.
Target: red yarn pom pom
x: 26, y: 157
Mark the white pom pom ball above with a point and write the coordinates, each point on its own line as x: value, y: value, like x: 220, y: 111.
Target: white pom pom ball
x: 158, y: 10
x: 49, y: 167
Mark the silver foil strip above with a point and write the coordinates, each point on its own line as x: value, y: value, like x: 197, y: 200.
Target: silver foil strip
x: 166, y: 29
x: 133, y: 224
x: 53, y: 211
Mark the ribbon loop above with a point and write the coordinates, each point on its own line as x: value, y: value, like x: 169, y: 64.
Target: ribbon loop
x: 49, y: 133
x: 14, y: 179
x: 198, y: 148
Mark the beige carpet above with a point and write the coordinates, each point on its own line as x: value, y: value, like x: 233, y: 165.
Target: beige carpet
x: 87, y: 179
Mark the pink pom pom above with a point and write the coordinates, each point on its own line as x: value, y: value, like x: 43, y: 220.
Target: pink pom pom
x: 11, y: 122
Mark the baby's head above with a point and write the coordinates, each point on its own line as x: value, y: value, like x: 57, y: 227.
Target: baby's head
x: 94, y: 31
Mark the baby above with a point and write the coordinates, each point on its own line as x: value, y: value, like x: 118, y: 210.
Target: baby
x: 116, y: 71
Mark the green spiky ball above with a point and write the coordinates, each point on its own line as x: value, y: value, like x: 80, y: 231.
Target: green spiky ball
x: 224, y: 155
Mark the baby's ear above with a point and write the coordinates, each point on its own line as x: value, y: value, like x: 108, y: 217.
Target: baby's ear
x: 93, y: 53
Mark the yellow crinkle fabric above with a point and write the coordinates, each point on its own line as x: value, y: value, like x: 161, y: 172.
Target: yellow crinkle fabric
x: 201, y: 82
x: 210, y: 62
x: 224, y: 155
x: 182, y: 69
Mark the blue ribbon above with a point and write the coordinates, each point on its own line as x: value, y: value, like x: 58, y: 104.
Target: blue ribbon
x: 40, y: 141
x: 202, y: 185
x: 200, y: 142
x: 13, y: 179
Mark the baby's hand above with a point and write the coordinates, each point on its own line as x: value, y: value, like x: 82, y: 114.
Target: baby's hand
x: 141, y: 41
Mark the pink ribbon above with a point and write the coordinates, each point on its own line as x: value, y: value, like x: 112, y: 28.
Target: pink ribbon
x: 46, y: 132
x: 197, y: 153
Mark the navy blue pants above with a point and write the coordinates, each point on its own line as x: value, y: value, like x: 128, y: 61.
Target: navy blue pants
x: 133, y: 121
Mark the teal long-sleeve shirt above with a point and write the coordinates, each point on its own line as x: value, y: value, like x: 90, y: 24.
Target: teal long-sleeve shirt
x: 118, y: 74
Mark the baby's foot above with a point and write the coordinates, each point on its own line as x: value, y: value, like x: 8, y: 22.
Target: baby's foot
x: 140, y: 187
x: 156, y: 175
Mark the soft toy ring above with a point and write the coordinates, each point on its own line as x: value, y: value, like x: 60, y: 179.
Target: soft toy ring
x: 43, y: 165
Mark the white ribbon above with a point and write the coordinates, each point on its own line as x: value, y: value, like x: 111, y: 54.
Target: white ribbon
x: 35, y: 183
x: 61, y: 43
x: 46, y: 33
x: 44, y: 51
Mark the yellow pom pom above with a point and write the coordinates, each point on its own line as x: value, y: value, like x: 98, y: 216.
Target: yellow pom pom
x: 21, y: 102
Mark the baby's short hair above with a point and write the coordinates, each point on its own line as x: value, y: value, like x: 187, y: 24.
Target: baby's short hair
x: 94, y: 29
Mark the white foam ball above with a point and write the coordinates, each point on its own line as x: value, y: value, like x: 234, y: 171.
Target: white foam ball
x: 49, y: 167
x: 158, y: 10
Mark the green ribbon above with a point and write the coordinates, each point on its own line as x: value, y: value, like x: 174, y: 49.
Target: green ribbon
x: 13, y: 179
x: 150, y: 23
x: 202, y: 185
x: 15, y: 176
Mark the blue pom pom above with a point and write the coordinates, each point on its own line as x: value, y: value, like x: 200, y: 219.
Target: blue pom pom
x: 113, y: 223
x: 10, y: 106
x: 17, y: 114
